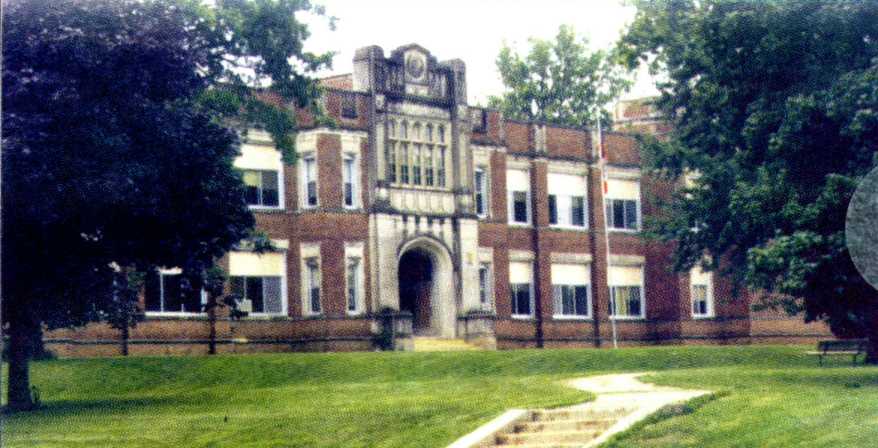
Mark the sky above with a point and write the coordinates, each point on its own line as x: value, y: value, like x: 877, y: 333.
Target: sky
x: 473, y: 31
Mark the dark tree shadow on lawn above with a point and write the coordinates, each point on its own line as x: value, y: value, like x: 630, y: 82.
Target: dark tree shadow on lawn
x: 109, y: 406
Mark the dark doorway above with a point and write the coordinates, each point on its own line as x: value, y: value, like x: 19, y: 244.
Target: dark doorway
x: 415, y: 285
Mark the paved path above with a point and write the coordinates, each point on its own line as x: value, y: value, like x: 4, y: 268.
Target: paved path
x: 628, y: 392
x: 621, y: 400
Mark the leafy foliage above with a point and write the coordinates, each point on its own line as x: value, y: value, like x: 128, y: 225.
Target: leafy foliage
x: 117, y: 151
x: 774, y: 109
x: 558, y: 82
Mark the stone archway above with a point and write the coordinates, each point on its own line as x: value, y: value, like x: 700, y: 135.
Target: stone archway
x: 426, y: 287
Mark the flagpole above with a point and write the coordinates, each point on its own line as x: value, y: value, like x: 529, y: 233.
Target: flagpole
x: 603, y: 167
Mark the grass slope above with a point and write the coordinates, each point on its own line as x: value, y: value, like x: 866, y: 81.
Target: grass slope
x: 775, y: 397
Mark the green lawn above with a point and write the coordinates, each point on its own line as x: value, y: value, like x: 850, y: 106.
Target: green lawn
x: 776, y: 397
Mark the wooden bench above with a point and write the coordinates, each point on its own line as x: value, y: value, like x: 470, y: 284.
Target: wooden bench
x: 841, y: 347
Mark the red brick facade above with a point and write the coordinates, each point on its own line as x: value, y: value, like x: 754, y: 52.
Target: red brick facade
x: 667, y: 302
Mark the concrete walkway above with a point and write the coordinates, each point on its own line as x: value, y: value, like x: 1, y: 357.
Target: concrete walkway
x: 621, y: 401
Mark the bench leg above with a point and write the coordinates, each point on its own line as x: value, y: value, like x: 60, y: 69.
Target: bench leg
x: 821, y: 360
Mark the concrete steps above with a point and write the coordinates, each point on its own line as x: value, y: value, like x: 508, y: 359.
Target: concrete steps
x: 566, y: 427
x: 431, y: 344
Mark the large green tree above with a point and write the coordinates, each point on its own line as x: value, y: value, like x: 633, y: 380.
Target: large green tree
x: 117, y: 150
x: 775, y: 110
x: 559, y: 82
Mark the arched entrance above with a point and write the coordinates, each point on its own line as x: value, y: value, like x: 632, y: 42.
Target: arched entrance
x: 426, y: 287
x: 415, y: 288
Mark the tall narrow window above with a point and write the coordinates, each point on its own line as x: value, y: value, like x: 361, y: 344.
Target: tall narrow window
x: 309, y: 180
x: 416, y: 164
x: 701, y: 290
x: 577, y: 211
x: 485, y: 291
x: 440, y: 174
x: 350, y: 181
x: 520, y: 288
x: 518, y: 184
x: 481, y: 191
x: 570, y: 289
x: 428, y: 164
x: 391, y: 161
x: 353, y: 285
x: 567, y: 200
x: 313, y: 287
x: 391, y: 150
x: 261, y: 188
x: 626, y: 291
x: 404, y: 163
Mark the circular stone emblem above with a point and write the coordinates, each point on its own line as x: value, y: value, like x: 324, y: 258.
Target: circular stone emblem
x: 415, y: 67
x: 861, y: 228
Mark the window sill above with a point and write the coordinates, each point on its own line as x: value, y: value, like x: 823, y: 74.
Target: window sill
x: 522, y: 317
x: 570, y: 317
x: 525, y: 225
x: 628, y: 318
x: 265, y: 207
x: 703, y: 317
x: 568, y: 228
x: 265, y: 316
x: 172, y: 314
x: 614, y: 230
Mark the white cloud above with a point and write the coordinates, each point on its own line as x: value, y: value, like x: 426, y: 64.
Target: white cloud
x: 472, y: 31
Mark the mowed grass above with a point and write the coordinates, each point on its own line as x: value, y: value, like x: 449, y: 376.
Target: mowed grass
x: 776, y: 397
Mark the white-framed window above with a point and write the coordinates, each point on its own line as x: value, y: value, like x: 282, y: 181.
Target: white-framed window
x: 623, y: 204
x: 259, y: 282
x: 521, y: 289
x: 354, y: 285
x: 571, y: 291
x: 165, y: 293
x: 309, y: 180
x: 312, y: 287
x: 480, y: 190
x: 262, y: 188
x: 349, y: 181
x: 486, y: 290
x: 626, y: 292
x: 261, y: 167
x: 518, y: 185
x: 701, y: 291
x: 261, y: 294
x: 567, y: 204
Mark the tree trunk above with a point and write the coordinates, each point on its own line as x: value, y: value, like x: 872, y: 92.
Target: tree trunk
x: 211, y: 316
x: 126, y: 335
x: 22, y: 334
x: 872, y: 334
